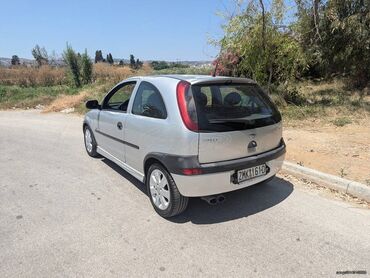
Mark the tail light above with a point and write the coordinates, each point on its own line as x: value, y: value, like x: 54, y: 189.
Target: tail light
x: 186, y: 103
x: 192, y: 171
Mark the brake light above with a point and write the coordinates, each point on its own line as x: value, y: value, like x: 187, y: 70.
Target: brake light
x: 186, y: 105
x: 192, y: 171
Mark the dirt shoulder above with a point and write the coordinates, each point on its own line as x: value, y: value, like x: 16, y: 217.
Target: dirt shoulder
x: 341, y: 151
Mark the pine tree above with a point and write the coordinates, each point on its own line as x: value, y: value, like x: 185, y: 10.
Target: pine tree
x: 99, y: 56
x: 15, y: 60
x: 40, y: 55
x: 139, y: 64
x: 86, y: 68
x: 71, y: 59
x: 132, y: 62
x: 110, y: 59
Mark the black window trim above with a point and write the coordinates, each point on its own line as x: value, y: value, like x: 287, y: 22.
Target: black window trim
x: 160, y: 94
x: 264, y: 96
x: 112, y: 92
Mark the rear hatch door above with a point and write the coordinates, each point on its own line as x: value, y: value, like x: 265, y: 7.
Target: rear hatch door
x: 235, y: 120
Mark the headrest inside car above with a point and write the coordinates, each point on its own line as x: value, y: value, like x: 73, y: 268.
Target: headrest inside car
x: 202, y: 99
x: 232, y: 99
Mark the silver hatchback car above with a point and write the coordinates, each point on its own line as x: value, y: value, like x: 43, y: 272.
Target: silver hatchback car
x: 187, y: 136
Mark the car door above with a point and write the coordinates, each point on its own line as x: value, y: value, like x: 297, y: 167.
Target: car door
x: 111, y: 122
x: 145, y: 125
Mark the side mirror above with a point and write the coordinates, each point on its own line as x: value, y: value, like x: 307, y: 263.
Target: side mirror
x: 92, y: 104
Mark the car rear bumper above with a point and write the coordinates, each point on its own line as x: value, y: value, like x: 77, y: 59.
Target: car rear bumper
x: 220, y: 182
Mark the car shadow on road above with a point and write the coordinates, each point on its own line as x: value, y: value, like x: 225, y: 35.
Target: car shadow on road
x: 138, y: 184
x: 238, y: 204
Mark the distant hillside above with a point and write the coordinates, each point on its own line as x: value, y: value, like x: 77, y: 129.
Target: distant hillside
x: 6, y: 62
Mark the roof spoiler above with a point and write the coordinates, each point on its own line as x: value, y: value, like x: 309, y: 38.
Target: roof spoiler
x: 223, y: 80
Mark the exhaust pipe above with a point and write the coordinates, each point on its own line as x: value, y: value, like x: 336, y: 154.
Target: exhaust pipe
x: 211, y: 200
x: 214, y: 199
x: 221, y: 198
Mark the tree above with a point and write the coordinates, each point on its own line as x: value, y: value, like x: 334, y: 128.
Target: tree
x: 132, y: 62
x: 40, y: 55
x: 110, y: 59
x: 86, y: 68
x: 335, y: 36
x: 138, y: 64
x: 257, y: 45
x: 159, y: 65
x: 71, y: 59
x: 53, y: 59
x: 121, y: 63
x: 135, y: 64
x: 15, y: 60
x: 346, y: 39
x: 98, y: 56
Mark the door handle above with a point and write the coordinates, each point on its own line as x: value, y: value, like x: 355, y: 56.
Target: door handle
x: 119, y: 125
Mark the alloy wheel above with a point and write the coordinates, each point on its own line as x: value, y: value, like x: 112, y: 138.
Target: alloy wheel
x: 159, y: 189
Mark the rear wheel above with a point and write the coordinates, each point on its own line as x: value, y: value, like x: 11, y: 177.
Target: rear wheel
x: 163, y: 192
x: 90, y: 143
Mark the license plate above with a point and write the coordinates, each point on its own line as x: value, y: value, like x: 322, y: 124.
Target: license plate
x: 250, y: 173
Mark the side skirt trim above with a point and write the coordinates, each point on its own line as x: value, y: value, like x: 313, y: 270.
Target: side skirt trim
x: 120, y: 163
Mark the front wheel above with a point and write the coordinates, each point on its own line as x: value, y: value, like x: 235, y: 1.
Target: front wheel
x: 163, y: 192
x: 90, y: 142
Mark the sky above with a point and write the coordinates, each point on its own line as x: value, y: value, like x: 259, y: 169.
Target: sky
x: 149, y: 29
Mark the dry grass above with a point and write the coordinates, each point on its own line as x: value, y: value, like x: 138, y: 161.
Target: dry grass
x: 326, y: 102
x: 333, y: 92
x: 30, y: 76
x: 65, y: 101
x: 23, y: 87
x: 77, y: 101
x: 51, y: 76
x: 146, y: 69
x: 105, y: 72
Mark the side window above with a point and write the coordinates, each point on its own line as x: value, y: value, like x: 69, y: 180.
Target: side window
x: 148, y: 102
x: 119, y: 98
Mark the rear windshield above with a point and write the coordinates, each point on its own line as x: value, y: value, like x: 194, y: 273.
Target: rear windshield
x: 229, y: 107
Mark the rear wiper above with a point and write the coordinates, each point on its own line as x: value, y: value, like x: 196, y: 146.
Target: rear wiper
x: 235, y: 120
x: 239, y: 120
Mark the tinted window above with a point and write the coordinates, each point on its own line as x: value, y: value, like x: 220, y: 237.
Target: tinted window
x: 120, y: 97
x: 148, y: 102
x: 228, y: 107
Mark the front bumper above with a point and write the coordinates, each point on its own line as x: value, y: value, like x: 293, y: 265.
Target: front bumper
x: 220, y: 182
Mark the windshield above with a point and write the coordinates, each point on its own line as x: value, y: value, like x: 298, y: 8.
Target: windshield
x: 229, y: 107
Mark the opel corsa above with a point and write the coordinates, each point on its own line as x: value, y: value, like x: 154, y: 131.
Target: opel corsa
x: 187, y: 136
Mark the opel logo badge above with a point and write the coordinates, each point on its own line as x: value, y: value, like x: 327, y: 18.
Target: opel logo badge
x: 252, y: 144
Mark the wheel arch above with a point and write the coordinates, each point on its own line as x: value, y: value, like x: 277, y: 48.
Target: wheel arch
x: 85, y: 124
x: 149, y: 160
x: 172, y: 163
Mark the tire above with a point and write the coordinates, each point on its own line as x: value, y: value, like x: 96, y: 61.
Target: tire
x: 165, y: 207
x: 90, y: 149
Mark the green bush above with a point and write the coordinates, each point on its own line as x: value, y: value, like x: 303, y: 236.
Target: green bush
x: 342, y: 121
x: 22, y: 97
x: 71, y: 59
x: 86, y: 68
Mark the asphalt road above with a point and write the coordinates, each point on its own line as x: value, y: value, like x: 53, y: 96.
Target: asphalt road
x: 65, y: 214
